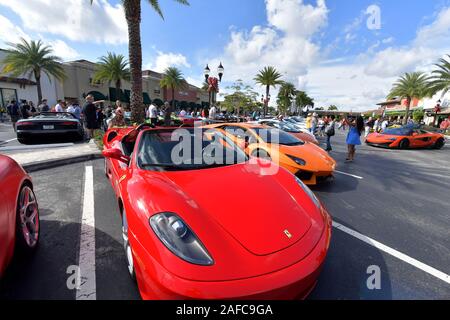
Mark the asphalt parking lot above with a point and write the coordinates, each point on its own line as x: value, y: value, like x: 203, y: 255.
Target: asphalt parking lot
x: 400, y: 199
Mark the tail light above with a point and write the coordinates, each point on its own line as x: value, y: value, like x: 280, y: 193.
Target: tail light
x: 25, y: 123
x: 69, y: 123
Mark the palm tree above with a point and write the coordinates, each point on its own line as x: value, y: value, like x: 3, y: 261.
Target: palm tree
x: 410, y: 86
x: 302, y: 100
x: 173, y: 79
x: 133, y: 16
x: 268, y: 77
x: 440, y: 80
x: 285, y: 96
x: 32, y: 59
x: 112, y: 68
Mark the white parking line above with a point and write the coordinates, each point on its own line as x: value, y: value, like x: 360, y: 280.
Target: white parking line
x: 422, y: 266
x: 350, y: 175
x: 87, y: 289
x: 8, y: 141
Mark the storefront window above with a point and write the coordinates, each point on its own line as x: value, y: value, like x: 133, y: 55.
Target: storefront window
x: 6, y: 95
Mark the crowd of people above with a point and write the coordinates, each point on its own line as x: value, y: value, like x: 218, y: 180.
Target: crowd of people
x: 326, y: 127
x: 95, y: 115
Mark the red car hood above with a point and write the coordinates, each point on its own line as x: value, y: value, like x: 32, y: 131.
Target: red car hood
x: 257, y: 211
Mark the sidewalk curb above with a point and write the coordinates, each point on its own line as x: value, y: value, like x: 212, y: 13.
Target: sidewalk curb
x: 44, y: 165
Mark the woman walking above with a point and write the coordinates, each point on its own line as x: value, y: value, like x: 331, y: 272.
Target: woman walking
x: 354, y: 137
x: 330, y: 131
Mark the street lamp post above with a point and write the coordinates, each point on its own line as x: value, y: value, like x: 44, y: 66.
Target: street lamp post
x: 213, y: 83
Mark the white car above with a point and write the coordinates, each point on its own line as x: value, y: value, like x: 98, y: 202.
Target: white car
x: 285, y: 126
x: 299, y: 125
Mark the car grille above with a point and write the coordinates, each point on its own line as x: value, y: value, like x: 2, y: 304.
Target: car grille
x: 304, y: 175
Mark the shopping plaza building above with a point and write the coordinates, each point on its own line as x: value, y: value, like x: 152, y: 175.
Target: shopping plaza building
x: 79, y: 83
x: 397, y: 108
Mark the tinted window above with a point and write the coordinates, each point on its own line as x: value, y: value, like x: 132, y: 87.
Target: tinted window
x: 277, y: 137
x: 183, y: 149
x: 398, y: 131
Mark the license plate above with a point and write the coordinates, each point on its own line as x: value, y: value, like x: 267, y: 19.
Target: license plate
x: 49, y: 127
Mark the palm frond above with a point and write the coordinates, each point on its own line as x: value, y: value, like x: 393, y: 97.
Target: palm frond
x: 112, y: 68
x: 33, y: 57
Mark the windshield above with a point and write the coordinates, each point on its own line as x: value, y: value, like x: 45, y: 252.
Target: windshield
x: 398, y: 131
x: 282, y: 125
x: 276, y: 136
x: 187, y: 149
x: 288, y: 127
x: 61, y: 115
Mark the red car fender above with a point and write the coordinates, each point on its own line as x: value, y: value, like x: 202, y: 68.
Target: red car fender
x: 12, y: 178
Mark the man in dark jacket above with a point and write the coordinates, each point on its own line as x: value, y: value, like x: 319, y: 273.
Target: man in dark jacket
x: 14, y: 112
x: 90, y: 116
x: 25, y: 109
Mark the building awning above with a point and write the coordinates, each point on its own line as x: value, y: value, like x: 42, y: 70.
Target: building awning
x: 126, y: 96
x: 389, y: 102
x: 20, y: 81
x: 98, y: 96
x: 147, y: 99
x: 113, y: 95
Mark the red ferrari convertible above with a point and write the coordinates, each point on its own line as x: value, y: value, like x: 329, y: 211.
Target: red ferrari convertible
x: 200, y: 223
x: 406, y: 138
x: 19, y: 213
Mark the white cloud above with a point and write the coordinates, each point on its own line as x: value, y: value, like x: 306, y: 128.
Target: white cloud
x: 169, y: 59
x: 395, y: 61
x: 296, y: 18
x: 436, y: 34
x: 285, y: 43
x: 75, y: 20
x: 388, y: 40
x: 347, y: 86
x: 198, y: 82
x: 10, y: 33
x: 431, y: 42
x: 63, y: 50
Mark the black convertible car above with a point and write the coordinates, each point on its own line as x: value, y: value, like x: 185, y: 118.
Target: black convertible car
x: 50, y: 124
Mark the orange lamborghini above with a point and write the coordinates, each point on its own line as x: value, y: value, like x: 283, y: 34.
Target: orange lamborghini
x: 305, y: 160
x: 407, y: 137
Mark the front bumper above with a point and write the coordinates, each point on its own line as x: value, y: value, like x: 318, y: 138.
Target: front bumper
x: 293, y: 282
x: 387, y: 144
x: 24, y: 134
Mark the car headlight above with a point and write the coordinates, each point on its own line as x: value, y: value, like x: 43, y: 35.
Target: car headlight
x: 298, y: 161
x: 176, y: 235
x: 308, y: 192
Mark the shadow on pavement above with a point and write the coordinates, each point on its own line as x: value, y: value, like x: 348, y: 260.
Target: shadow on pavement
x: 43, y: 275
x: 345, y: 274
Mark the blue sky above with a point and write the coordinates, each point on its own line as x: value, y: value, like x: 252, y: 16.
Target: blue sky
x: 322, y: 46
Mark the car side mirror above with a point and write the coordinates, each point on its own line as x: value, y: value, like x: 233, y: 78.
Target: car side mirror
x: 116, y: 154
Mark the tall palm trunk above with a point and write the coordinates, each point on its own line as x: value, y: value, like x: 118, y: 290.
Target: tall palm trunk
x: 118, y: 85
x: 173, y: 98
x: 266, y: 102
x: 133, y: 17
x: 37, y: 76
x: 409, y: 105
